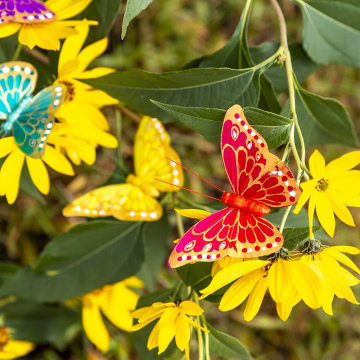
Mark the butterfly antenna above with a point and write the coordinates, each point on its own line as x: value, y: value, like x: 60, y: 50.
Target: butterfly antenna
x: 195, y: 175
x: 187, y: 189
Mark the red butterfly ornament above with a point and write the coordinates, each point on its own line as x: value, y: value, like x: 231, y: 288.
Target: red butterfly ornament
x: 259, y: 180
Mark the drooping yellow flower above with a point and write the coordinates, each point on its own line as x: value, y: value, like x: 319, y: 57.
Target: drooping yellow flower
x: 10, y: 172
x: 339, y: 279
x: 173, y: 322
x: 116, y: 302
x: 44, y: 30
x: 13, y: 349
x: 288, y: 280
x: 82, y: 103
x: 332, y: 188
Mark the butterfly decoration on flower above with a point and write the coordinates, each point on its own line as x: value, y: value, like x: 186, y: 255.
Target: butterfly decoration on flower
x: 25, y: 11
x: 259, y: 180
x: 29, y: 119
x: 136, y: 199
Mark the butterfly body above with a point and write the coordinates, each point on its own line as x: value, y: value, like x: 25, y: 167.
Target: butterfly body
x: 14, y: 115
x: 259, y: 180
x: 28, y: 118
x: 145, y: 187
x: 240, y: 202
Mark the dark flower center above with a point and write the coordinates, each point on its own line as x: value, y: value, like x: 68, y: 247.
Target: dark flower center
x: 70, y: 87
x: 4, y: 337
x: 322, y: 185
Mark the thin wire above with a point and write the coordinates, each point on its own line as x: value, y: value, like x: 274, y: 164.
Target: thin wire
x: 195, y: 174
x: 187, y: 189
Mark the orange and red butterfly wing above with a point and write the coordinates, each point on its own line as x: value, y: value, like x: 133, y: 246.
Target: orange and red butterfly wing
x: 253, y: 172
x: 228, y: 232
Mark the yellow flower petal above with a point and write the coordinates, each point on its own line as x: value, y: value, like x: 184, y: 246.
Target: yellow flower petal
x: 317, y: 165
x: 87, y: 154
x: 168, y: 317
x: 140, y: 325
x: 95, y: 73
x: 190, y: 308
x: 39, y: 174
x: 15, y: 349
x: 306, y: 282
x: 91, y: 52
x: 193, y: 213
x: 10, y: 175
x: 133, y: 282
x: 194, y: 324
x: 279, y: 280
x: 255, y: 299
x: 305, y: 195
x: 343, y: 163
x: 94, y: 325
x: 117, y: 304
x: 231, y: 273
x: 284, y: 309
x: 8, y: 29
x: 342, y: 249
x: 340, y: 210
x: 182, y: 335
x: 341, y: 258
x: 71, y: 49
x: 45, y: 35
x: 333, y: 273
x: 66, y: 9
x: 153, y: 340
x: 240, y: 290
x: 349, y: 278
x: 166, y: 334
x: 7, y: 145
x: 57, y: 161
x: 325, y: 213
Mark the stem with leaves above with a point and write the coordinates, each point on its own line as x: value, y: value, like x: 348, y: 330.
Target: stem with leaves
x: 300, y: 161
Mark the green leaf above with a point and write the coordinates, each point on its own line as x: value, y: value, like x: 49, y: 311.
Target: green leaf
x: 133, y: 9
x: 235, y: 55
x: 80, y: 260
x: 293, y: 220
x: 219, y: 88
x: 301, y: 63
x: 156, y: 296
x: 7, y: 270
x: 155, y: 236
x: 208, y: 122
x: 227, y: 346
x: 294, y: 236
x: 40, y: 323
x: 323, y: 120
x: 197, y: 275
x: 331, y: 30
x: 105, y: 13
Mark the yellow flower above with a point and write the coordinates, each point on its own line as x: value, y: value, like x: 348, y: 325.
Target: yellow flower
x: 288, y: 281
x: 48, y: 28
x: 173, y: 322
x: 10, y: 172
x: 82, y: 102
x: 338, y: 278
x: 13, y: 349
x: 332, y: 188
x: 116, y: 302
x: 79, y: 141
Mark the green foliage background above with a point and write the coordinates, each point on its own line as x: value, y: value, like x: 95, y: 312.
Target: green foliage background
x: 166, y: 37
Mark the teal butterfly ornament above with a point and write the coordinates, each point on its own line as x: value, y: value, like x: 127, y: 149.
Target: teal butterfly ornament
x: 28, y: 118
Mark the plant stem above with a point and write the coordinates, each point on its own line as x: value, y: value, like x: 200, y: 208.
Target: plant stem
x: 200, y: 340
x: 17, y: 52
x: 179, y: 224
x: 206, y: 335
x: 130, y: 114
x: 300, y: 162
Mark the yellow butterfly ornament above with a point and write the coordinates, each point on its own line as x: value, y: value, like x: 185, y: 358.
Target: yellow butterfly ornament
x: 136, y: 199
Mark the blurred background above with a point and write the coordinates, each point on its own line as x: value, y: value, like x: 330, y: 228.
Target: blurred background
x: 166, y: 37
